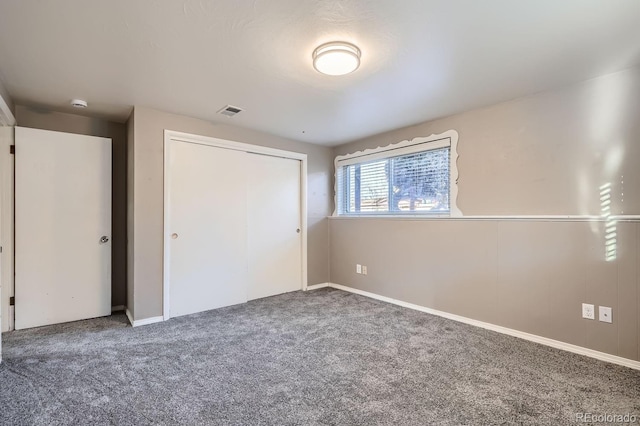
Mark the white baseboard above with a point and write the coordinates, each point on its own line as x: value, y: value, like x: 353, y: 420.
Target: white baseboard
x: 117, y: 308
x: 126, y: 311
x: 504, y: 330
x: 317, y: 286
x: 145, y: 321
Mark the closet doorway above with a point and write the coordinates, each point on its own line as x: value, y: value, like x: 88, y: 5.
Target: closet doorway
x: 234, y: 227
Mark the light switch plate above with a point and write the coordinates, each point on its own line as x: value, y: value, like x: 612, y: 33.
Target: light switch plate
x: 605, y: 314
x: 358, y: 269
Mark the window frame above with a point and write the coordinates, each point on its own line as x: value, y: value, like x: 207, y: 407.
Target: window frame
x: 448, y: 139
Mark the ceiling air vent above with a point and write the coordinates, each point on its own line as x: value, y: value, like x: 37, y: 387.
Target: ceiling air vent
x: 230, y: 110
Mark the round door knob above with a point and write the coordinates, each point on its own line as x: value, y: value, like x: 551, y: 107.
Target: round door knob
x: 104, y: 239
x: 298, y: 230
x: 174, y: 236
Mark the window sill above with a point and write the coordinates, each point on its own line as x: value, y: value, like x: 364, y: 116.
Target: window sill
x: 531, y: 218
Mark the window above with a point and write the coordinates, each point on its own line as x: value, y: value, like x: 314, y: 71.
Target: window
x: 417, y: 177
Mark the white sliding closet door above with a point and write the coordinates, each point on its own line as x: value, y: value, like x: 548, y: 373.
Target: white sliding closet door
x: 62, y: 227
x: 207, y: 210
x: 233, y: 222
x: 274, y: 222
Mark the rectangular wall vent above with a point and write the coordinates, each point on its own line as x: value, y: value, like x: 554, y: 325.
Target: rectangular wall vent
x: 230, y: 110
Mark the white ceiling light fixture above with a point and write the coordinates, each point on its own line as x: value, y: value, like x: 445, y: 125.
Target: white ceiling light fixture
x: 336, y: 58
x: 79, y: 103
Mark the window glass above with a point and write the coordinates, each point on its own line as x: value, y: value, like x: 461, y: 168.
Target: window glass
x: 412, y: 179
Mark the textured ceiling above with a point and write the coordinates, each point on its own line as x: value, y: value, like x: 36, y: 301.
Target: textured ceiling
x: 421, y: 59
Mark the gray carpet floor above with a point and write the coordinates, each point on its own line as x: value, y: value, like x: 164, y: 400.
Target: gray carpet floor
x: 322, y: 357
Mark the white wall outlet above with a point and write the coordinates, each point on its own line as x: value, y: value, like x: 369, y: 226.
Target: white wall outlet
x: 588, y: 311
x: 605, y: 314
x: 364, y: 270
x: 358, y: 268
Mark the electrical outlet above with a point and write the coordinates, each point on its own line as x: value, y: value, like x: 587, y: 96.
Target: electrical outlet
x: 605, y: 314
x: 364, y: 270
x: 358, y: 268
x: 588, y: 311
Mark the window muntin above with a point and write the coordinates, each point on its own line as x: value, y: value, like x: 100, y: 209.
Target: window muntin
x: 415, y: 177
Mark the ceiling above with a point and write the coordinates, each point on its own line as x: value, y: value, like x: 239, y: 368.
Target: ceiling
x: 421, y: 59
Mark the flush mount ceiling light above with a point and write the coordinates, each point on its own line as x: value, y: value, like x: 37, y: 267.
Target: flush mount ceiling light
x: 336, y: 58
x: 79, y: 103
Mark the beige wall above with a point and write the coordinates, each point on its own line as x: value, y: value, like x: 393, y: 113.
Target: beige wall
x: 546, y: 154
x: 149, y: 126
x: 529, y: 275
x: 71, y: 123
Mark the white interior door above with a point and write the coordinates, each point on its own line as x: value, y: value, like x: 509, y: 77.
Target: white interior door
x: 62, y: 227
x: 274, y: 225
x: 207, y: 227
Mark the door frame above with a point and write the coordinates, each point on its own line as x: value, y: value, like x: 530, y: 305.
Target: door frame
x: 6, y: 227
x: 175, y: 136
